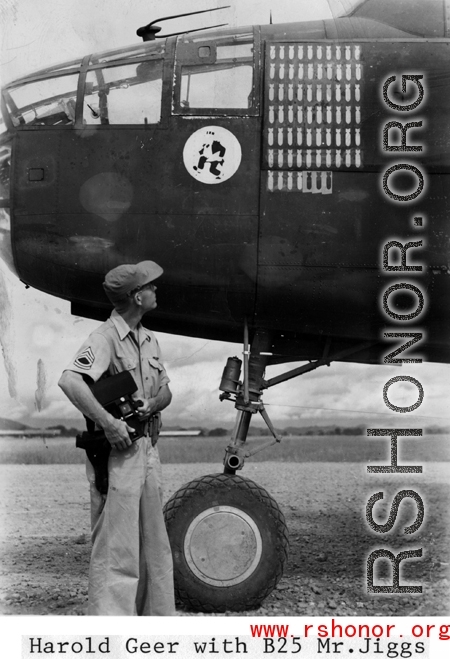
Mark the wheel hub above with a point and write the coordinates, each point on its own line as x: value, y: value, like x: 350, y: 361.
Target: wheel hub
x: 223, y: 546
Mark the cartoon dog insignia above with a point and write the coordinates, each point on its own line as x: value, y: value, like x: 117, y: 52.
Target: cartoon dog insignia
x: 212, y: 154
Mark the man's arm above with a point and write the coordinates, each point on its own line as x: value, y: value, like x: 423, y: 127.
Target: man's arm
x: 79, y: 394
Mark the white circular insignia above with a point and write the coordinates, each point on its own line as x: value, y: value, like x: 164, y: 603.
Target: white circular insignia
x: 212, y: 154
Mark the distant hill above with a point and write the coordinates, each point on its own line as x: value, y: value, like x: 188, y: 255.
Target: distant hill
x: 64, y: 431
x: 9, y: 424
x: 325, y: 430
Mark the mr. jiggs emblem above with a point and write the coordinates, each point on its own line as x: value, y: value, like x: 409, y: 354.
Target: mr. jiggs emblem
x: 212, y: 154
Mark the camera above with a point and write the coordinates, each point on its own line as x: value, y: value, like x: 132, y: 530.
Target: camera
x: 114, y: 393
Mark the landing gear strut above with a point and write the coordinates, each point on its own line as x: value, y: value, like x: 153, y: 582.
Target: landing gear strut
x: 228, y: 535
x: 247, y: 395
x: 247, y: 399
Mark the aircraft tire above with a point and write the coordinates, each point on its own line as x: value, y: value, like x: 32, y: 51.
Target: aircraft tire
x: 229, y: 543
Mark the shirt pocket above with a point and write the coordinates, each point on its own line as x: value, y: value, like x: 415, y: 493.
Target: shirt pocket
x: 128, y: 364
x: 155, y: 363
x: 123, y: 362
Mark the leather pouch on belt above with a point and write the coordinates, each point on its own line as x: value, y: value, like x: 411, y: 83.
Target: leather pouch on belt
x: 154, y: 425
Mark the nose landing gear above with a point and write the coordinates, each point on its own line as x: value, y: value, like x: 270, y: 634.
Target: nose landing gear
x: 247, y: 400
x: 228, y: 535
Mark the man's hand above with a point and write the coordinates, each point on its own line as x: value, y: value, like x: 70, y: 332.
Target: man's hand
x: 116, y: 432
x: 147, y: 408
x: 156, y: 404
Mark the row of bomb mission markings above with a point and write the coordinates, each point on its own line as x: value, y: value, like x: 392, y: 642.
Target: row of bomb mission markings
x: 314, y: 92
x: 325, y: 52
x: 307, y: 158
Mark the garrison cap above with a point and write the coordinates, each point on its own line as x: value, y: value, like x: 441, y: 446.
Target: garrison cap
x: 125, y: 278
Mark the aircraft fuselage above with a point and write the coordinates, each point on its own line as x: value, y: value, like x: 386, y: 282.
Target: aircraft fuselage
x: 248, y: 164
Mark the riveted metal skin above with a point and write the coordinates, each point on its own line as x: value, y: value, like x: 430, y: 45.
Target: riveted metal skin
x: 290, y: 238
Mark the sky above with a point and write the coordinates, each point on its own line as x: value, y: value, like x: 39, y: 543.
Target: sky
x: 40, y: 336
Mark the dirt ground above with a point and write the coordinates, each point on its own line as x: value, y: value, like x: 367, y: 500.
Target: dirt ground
x: 45, y: 544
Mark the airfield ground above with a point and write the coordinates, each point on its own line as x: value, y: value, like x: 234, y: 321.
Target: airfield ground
x: 45, y: 541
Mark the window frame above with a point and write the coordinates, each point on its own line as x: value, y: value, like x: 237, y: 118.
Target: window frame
x: 164, y: 52
x: 99, y: 70
x: 10, y: 107
x: 183, y: 59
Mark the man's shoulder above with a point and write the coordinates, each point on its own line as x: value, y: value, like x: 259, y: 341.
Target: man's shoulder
x: 103, y: 337
x: 105, y: 328
x: 94, y: 355
x: 108, y: 331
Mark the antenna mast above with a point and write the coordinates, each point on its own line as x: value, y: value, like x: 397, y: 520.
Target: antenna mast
x: 149, y: 32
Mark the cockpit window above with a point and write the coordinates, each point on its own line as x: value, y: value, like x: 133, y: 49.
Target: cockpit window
x: 216, y: 88
x: 47, y: 102
x: 215, y: 75
x: 124, y: 94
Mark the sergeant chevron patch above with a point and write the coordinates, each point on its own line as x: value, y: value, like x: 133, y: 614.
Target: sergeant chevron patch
x: 85, y: 359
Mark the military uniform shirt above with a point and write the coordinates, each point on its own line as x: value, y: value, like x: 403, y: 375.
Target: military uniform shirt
x: 131, y: 563
x: 114, y: 347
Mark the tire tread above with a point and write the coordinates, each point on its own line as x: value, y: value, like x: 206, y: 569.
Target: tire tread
x: 212, y: 482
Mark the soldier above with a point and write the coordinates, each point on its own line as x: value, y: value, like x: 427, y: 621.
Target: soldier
x: 131, y: 569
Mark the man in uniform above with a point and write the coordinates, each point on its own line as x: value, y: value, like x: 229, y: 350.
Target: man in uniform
x: 131, y: 563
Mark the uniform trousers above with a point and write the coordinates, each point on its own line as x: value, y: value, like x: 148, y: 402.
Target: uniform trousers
x: 131, y: 570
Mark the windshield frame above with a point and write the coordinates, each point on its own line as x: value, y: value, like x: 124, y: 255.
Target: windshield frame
x: 214, y: 40
x: 163, y: 50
